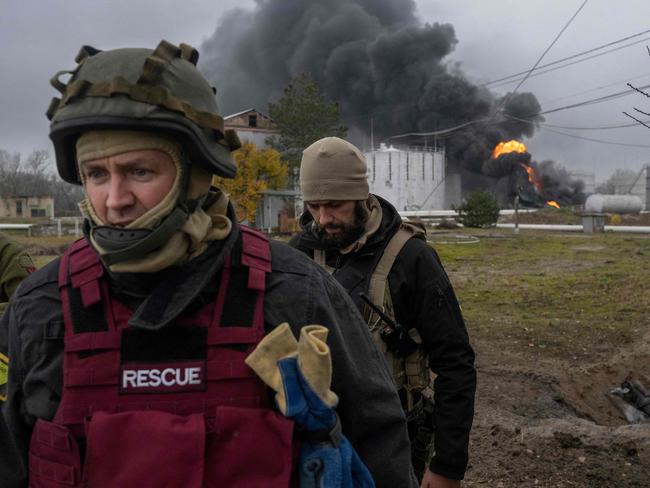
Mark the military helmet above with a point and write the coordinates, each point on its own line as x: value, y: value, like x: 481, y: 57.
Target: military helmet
x: 140, y: 89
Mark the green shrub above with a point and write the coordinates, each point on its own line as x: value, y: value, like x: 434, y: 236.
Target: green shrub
x: 479, y: 210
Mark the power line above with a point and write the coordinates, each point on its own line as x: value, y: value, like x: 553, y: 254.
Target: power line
x: 507, y: 97
x: 604, y: 127
x: 441, y: 131
x: 609, y: 85
x: 539, y: 73
x: 600, y: 141
x: 592, y: 101
x: 488, y: 120
x: 575, y: 56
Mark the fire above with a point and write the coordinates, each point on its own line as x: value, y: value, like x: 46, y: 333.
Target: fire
x: 508, y: 147
x: 532, y: 177
x: 518, y: 147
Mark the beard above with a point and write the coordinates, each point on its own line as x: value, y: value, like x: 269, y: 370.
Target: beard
x: 347, y: 233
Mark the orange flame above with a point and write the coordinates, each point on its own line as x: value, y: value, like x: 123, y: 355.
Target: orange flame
x: 532, y: 177
x: 519, y: 147
x: 508, y: 147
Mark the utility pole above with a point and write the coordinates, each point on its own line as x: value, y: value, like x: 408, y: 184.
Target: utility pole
x: 517, y: 214
x: 372, y: 135
x: 647, y: 187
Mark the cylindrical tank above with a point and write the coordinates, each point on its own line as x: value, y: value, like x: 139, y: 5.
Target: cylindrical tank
x: 598, y: 203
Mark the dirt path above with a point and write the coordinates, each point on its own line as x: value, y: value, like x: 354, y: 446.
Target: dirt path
x: 552, y: 426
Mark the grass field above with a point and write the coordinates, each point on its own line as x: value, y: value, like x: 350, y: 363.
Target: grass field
x: 557, y: 320
x: 569, y: 293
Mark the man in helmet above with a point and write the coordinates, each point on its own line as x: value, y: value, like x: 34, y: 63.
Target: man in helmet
x: 126, y: 359
x: 361, y: 239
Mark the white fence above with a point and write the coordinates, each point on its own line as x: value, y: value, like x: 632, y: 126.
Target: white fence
x: 58, y: 227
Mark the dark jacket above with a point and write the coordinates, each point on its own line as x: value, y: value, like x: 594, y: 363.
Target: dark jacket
x: 423, y: 298
x: 298, y: 292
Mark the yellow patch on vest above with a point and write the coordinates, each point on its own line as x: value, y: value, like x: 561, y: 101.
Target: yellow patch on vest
x: 4, y: 374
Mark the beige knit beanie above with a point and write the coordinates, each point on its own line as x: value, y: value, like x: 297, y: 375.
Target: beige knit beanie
x: 333, y: 169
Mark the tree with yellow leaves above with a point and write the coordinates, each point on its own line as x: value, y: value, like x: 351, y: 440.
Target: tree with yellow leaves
x: 257, y: 171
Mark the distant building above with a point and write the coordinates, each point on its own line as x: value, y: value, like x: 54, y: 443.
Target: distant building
x: 27, y: 207
x: 278, y: 211
x: 252, y: 126
x: 411, y: 178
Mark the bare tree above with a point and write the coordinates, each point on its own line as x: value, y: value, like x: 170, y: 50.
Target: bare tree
x: 10, y: 166
x: 618, y: 183
x: 638, y: 110
x: 37, y: 161
x: 36, y: 181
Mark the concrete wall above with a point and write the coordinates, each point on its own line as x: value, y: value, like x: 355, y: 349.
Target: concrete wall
x: 408, y: 178
x: 256, y: 137
x: 271, y: 205
x: 453, y: 191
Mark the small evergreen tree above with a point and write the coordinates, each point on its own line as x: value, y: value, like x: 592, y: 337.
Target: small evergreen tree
x: 479, y: 210
x: 303, y: 115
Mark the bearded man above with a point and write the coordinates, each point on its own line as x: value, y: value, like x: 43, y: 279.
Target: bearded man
x: 361, y: 240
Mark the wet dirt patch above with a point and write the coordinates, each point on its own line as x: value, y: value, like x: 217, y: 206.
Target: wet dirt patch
x: 588, y: 248
x: 586, y: 391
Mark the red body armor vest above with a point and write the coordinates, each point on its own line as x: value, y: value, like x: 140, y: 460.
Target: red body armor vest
x: 130, y: 416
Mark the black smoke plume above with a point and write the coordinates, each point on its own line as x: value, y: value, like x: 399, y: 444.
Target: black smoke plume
x: 377, y: 60
x: 557, y: 183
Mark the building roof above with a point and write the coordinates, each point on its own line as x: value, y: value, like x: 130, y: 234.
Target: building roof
x: 243, y: 112
x: 232, y: 116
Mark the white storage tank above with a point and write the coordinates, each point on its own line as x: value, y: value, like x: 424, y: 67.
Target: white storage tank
x: 599, y: 203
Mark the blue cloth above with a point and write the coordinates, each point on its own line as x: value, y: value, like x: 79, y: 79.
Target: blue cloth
x: 329, y: 463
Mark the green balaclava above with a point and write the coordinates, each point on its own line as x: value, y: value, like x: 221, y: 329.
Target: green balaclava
x: 201, y: 225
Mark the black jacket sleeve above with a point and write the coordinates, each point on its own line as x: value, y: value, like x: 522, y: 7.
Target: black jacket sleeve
x: 423, y: 297
x: 369, y: 408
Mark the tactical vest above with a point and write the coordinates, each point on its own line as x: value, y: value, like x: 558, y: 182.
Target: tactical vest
x: 410, y: 373
x: 171, y: 407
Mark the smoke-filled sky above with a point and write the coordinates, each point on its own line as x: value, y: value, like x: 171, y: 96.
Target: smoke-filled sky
x: 369, y: 54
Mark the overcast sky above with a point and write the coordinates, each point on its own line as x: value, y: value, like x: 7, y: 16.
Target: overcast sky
x: 497, y: 38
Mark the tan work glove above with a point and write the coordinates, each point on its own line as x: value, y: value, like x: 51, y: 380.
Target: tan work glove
x: 313, y: 355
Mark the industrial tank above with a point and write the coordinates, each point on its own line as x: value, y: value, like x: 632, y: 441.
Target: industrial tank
x: 598, y: 203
